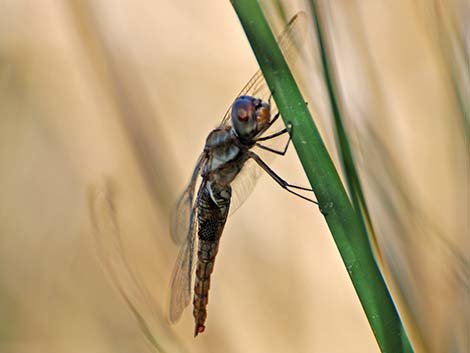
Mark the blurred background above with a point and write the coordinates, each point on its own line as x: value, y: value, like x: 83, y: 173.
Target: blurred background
x: 104, y: 109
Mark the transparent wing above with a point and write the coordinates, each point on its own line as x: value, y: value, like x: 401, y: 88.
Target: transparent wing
x: 246, y: 180
x: 184, y: 218
x: 181, y: 214
x: 181, y: 278
x: 290, y: 42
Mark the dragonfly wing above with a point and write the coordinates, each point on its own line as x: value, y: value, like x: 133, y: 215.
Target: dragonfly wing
x: 181, y: 278
x: 290, y: 42
x: 246, y: 180
x: 244, y: 184
x: 181, y: 214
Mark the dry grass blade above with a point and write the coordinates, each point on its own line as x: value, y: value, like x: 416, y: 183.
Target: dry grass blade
x: 404, y: 111
x: 112, y: 255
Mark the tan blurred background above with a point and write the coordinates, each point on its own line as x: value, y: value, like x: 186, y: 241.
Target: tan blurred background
x: 104, y: 109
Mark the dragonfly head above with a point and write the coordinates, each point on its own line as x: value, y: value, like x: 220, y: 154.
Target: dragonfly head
x: 250, y: 117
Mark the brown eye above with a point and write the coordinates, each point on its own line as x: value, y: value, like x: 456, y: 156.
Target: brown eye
x: 242, y: 114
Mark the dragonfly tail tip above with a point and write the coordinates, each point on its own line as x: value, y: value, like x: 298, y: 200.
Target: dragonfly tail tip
x: 199, y: 329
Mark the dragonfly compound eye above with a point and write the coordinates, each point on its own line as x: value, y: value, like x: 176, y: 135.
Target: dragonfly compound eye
x: 244, y: 116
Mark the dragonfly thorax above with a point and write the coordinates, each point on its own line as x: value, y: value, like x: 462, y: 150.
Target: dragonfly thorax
x: 250, y: 117
x: 224, y: 156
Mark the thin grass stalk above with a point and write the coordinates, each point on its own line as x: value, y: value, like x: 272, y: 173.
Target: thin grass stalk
x: 344, y: 223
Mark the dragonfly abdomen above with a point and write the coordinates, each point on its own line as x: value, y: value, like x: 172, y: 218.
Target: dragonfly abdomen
x: 213, y: 206
x: 207, y: 250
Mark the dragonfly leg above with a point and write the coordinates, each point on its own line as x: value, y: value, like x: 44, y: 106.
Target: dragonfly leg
x: 269, y: 137
x: 282, y: 153
x: 279, y: 133
x: 273, y: 120
x: 284, y: 184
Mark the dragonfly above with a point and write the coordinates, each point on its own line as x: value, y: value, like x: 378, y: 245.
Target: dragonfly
x: 225, y: 169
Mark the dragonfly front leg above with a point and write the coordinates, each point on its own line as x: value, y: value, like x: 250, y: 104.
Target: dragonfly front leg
x: 279, y: 133
x: 273, y: 120
x: 284, y: 184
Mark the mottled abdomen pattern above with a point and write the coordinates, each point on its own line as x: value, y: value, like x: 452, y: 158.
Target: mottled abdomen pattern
x: 213, y: 206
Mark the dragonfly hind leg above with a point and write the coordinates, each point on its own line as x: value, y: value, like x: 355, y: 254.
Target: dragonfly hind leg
x: 284, y: 184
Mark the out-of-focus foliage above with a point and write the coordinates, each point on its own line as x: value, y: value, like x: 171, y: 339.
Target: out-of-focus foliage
x: 401, y: 79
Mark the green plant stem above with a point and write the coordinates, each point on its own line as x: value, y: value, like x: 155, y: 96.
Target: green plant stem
x: 334, y: 203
